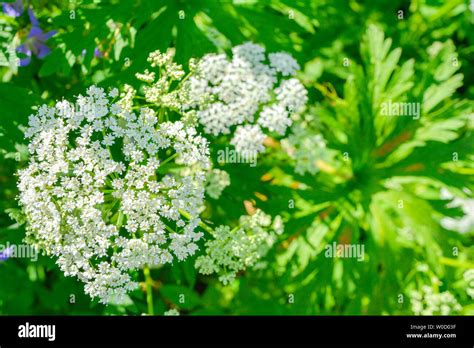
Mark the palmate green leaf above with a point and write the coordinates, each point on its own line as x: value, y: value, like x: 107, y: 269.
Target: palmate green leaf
x: 57, y: 62
x: 15, y: 105
x: 437, y: 93
x: 224, y: 19
x: 439, y: 80
x: 187, y: 31
x: 444, y: 125
x: 392, y: 161
x: 193, y: 28
x: 394, y: 210
x: 443, y: 131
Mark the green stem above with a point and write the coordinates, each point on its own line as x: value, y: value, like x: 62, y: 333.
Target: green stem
x: 169, y: 229
x: 120, y: 220
x: 201, y: 224
x: 161, y: 113
x: 184, y: 80
x: 169, y: 159
x: 149, y: 290
x: 456, y: 263
x: 143, y: 106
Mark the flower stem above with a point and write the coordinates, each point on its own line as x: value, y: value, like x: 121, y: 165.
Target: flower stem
x: 149, y: 290
x: 169, y: 159
x: 205, y: 227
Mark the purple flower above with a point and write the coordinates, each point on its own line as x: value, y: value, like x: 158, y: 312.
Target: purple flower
x: 13, y: 9
x: 4, y: 255
x: 97, y: 53
x: 35, y: 42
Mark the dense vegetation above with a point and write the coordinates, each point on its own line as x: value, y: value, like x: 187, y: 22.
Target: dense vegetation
x: 380, y: 157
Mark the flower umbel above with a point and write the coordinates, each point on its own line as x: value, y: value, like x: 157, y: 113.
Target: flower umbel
x: 245, y: 91
x: 428, y: 302
x: 217, y: 181
x: 97, y: 194
x: 232, y: 251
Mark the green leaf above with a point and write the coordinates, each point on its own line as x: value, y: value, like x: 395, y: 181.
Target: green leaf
x: 15, y: 105
x: 181, y: 296
x: 57, y: 62
x: 437, y: 93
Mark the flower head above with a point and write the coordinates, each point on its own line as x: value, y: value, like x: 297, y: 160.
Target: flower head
x: 97, y: 194
x: 275, y: 118
x: 469, y: 279
x: 248, y: 140
x: 428, y: 302
x: 217, y: 181
x: 306, y: 148
x: 283, y: 63
x: 243, y: 90
x: 232, y: 251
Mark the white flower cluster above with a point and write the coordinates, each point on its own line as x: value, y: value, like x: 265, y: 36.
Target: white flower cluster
x: 283, y: 63
x: 469, y: 279
x: 245, y: 89
x: 97, y: 194
x: 232, y: 251
x: 172, y: 312
x: 248, y: 140
x: 464, y: 224
x: 157, y: 90
x: 305, y: 148
x: 428, y: 302
x: 217, y: 181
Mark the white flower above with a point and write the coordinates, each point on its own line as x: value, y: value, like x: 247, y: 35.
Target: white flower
x: 126, y: 101
x: 232, y: 251
x: 164, y: 61
x: 158, y: 85
x: 218, y: 118
x: 248, y: 140
x: 428, y: 302
x: 113, y: 93
x: 105, y: 213
x: 250, y: 52
x: 292, y: 95
x: 172, y: 312
x: 306, y: 148
x: 469, y: 279
x: 278, y: 225
x: 283, y: 63
x: 146, y: 76
x: 275, y: 118
x: 212, y: 67
x: 217, y: 181
x: 229, y: 92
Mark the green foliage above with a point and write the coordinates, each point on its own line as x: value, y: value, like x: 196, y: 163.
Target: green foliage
x: 378, y: 183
